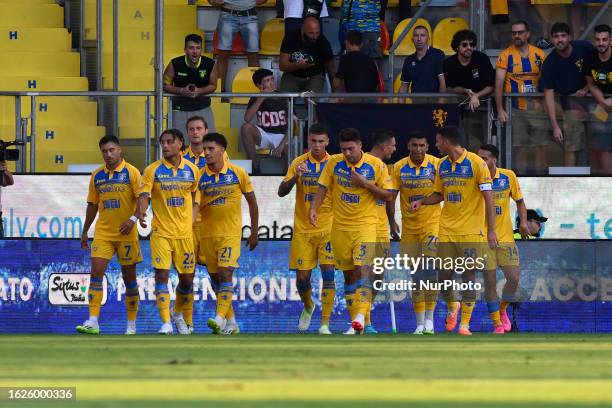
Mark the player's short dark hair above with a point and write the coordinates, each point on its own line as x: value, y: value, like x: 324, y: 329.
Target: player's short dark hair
x: 523, y: 22
x: 422, y: 27
x: 109, y: 139
x: 354, y: 37
x: 461, y: 36
x: 260, y: 74
x: 602, y: 28
x: 349, y: 135
x: 318, y: 129
x: 217, y: 138
x: 417, y: 134
x: 176, y: 134
x: 380, y: 136
x: 491, y: 149
x: 194, y: 118
x: 560, y: 27
x: 450, y: 133
x: 196, y: 38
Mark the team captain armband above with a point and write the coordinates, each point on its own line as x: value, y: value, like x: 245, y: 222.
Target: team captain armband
x: 485, y: 187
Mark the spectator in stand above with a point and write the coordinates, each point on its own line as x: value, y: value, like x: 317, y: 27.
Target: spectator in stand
x: 469, y: 72
x: 423, y: 70
x: 294, y: 13
x: 237, y: 16
x: 305, y: 56
x: 191, y: 76
x: 272, y: 118
x: 518, y: 71
x: 362, y: 16
x: 562, y: 73
x: 597, y: 69
x: 356, y: 71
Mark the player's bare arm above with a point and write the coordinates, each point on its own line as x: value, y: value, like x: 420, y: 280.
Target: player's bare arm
x: 500, y: 76
x: 434, y: 198
x: 360, y: 181
x: 254, y: 214
x: 522, y: 210
x: 141, y: 207
x: 490, y: 214
x: 286, y: 186
x: 393, y: 225
x: 318, y: 200
x: 90, y: 216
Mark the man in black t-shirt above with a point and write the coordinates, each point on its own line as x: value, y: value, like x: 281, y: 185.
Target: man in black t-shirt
x: 191, y: 76
x: 597, y: 68
x: 469, y: 72
x: 272, y: 118
x: 356, y: 71
x: 305, y: 55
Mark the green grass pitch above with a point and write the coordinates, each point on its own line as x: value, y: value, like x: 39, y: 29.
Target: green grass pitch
x: 526, y: 370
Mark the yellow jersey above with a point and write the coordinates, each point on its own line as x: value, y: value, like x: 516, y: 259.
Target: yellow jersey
x: 460, y: 183
x: 522, y: 74
x: 200, y: 160
x: 306, y: 189
x: 354, y: 207
x: 505, y: 186
x: 221, y: 200
x: 382, y: 229
x: 170, y: 190
x: 415, y: 182
x: 116, y: 194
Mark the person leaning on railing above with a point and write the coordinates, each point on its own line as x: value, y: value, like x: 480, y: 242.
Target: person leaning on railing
x: 6, y: 179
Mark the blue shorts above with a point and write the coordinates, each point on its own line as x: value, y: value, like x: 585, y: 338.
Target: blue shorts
x: 230, y: 24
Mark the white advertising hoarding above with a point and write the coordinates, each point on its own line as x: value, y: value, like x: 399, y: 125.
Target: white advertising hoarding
x: 54, y: 206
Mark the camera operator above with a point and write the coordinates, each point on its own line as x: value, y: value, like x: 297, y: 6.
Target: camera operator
x: 6, y: 179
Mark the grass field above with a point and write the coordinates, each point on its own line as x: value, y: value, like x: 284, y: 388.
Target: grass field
x: 313, y: 371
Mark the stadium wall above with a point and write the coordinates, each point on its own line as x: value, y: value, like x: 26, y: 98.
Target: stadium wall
x: 566, y: 286
x: 53, y: 206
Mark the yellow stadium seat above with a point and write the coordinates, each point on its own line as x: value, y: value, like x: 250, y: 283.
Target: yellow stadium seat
x: 232, y: 135
x: 41, y: 83
x: 57, y: 161
x: 221, y: 111
x: 34, y: 39
x: 132, y: 110
x: 406, y: 47
x: 137, y: 14
x: 243, y: 83
x: 271, y: 37
x: 31, y: 15
x: 143, y: 40
x: 269, y: 3
x: 445, y: 30
x: 41, y: 63
x: 395, y: 3
x: 28, y: 2
x: 51, y: 111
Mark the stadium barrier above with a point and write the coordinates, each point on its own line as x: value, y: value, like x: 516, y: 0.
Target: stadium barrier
x: 565, y: 286
x: 60, y: 207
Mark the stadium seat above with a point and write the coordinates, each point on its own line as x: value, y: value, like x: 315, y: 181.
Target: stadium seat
x: 137, y: 14
x: 143, y: 40
x: 237, y: 45
x: 31, y: 15
x: 406, y: 47
x: 67, y: 64
x: 42, y: 83
x: 385, y: 41
x: 34, y: 39
x: 330, y: 28
x: 232, y: 135
x: 51, y: 110
x: 243, y: 83
x: 445, y: 30
x: 271, y: 36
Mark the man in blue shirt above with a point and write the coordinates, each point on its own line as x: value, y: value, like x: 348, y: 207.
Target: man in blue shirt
x: 423, y: 70
x: 562, y: 73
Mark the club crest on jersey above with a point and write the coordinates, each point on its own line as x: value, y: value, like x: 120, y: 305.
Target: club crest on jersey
x: 228, y: 178
x: 202, y: 73
x: 465, y: 169
x: 426, y: 172
x: 364, y: 172
x: 121, y: 177
x: 439, y: 117
x: 501, y: 183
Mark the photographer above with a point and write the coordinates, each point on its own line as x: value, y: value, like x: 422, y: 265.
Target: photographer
x: 6, y: 179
